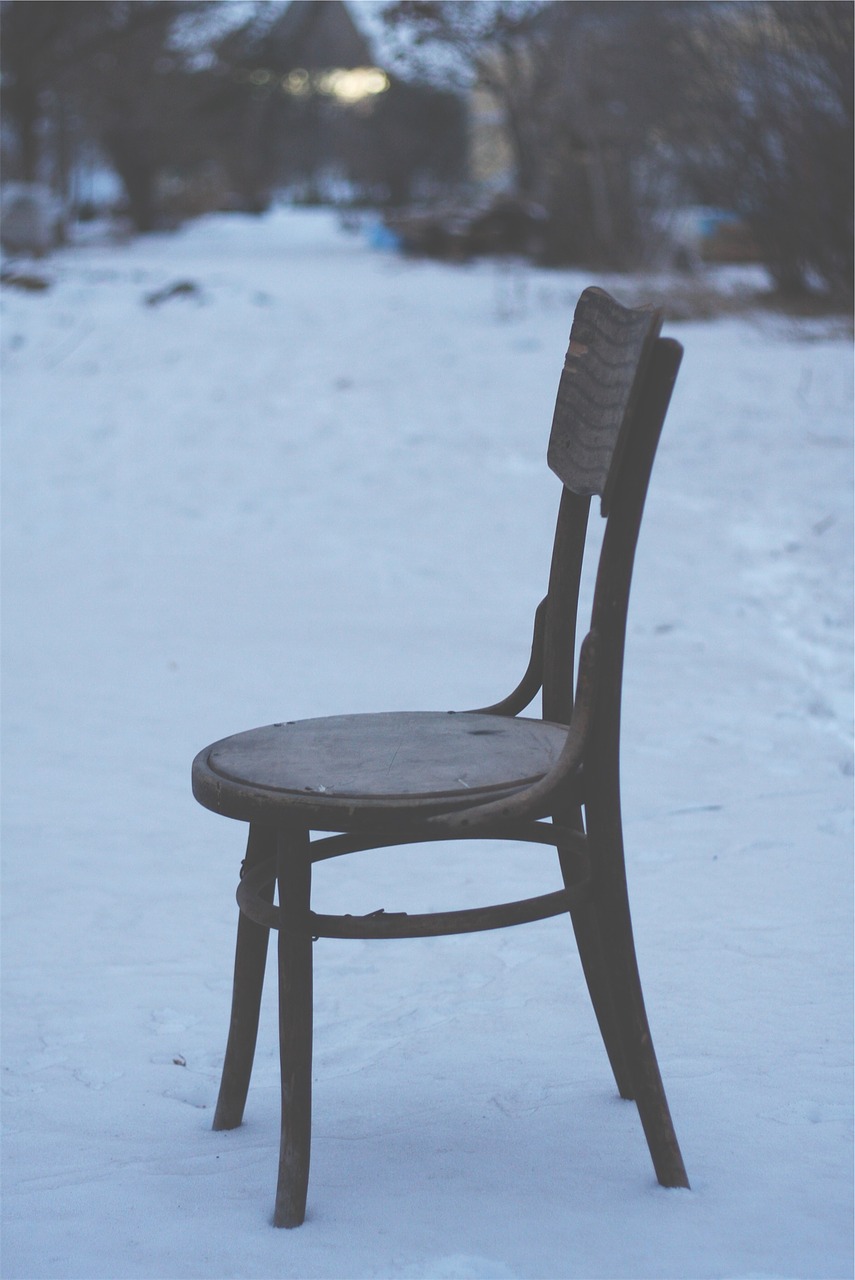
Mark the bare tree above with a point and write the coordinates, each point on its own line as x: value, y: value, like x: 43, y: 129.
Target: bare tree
x: 576, y: 88
x: 40, y: 45
x: 606, y: 64
x: 496, y: 47
x: 766, y: 129
x: 414, y: 140
x: 606, y: 106
x: 103, y: 69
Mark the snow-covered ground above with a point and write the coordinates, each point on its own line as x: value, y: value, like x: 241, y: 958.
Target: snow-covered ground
x: 316, y: 483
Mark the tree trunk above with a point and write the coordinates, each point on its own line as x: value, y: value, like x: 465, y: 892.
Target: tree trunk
x: 128, y: 152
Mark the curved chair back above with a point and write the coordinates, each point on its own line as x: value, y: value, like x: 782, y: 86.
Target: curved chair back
x: 612, y: 398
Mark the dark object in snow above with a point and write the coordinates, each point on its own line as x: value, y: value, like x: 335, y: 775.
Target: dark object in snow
x: 507, y: 225
x: 24, y: 280
x: 389, y: 779
x: 31, y: 220
x: 181, y: 289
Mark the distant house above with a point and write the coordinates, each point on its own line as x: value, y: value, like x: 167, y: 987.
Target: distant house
x: 316, y: 50
x: 322, y: 120
x: 304, y: 78
x: 318, y: 36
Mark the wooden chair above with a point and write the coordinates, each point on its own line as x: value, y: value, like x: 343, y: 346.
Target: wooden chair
x: 402, y: 778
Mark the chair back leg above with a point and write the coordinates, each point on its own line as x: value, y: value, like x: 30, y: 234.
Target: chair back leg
x: 589, y: 942
x: 647, y: 1087
x: 611, y: 904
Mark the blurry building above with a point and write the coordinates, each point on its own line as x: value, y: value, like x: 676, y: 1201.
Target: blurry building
x: 310, y: 111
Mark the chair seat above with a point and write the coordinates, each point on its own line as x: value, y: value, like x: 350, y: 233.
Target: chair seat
x: 343, y: 771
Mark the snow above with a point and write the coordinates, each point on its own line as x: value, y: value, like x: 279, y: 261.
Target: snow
x: 315, y: 483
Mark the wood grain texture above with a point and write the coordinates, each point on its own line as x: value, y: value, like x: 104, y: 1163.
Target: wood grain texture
x: 396, y: 754
x: 603, y: 370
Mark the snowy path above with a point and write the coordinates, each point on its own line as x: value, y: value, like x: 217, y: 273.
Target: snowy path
x: 318, y: 485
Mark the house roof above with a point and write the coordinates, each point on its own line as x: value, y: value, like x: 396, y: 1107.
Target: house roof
x: 316, y: 34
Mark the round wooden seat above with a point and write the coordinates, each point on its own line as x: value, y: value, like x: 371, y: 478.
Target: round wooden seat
x: 341, y: 768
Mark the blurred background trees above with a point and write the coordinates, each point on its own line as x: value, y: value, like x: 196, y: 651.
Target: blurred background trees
x: 765, y: 128
x: 191, y: 110
x: 612, y: 118
x: 90, y: 74
x: 613, y: 115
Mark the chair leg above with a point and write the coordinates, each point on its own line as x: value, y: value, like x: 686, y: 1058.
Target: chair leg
x: 610, y: 906
x: 648, y: 1089
x: 589, y: 942
x: 250, y: 958
x: 294, y: 869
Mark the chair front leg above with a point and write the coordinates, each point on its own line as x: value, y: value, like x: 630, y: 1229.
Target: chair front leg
x: 250, y: 959
x: 294, y: 871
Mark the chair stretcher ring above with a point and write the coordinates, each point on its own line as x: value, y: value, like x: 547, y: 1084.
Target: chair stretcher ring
x: 400, y: 924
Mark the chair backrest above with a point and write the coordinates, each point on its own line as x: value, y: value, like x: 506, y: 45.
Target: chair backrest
x: 612, y: 398
x: 610, y: 348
